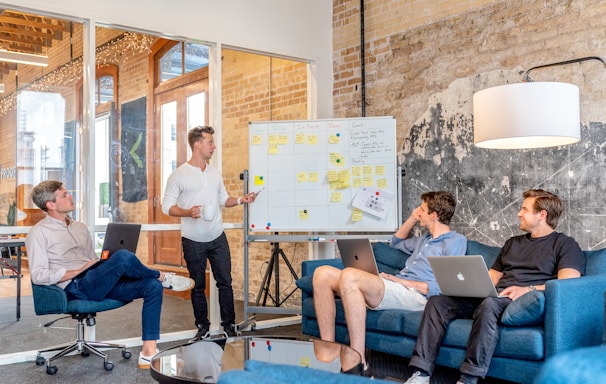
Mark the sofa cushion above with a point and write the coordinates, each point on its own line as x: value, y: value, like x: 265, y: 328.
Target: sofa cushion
x: 595, y: 262
x: 301, y: 375
x: 305, y: 284
x: 489, y: 253
x: 529, y: 309
x: 389, y: 260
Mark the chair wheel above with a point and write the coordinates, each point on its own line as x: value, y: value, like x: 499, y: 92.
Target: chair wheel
x: 51, y: 370
x: 40, y: 360
x: 126, y: 354
x: 108, y: 365
x: 85, y: 353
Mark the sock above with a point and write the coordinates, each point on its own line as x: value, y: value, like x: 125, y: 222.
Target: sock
x: 468, y: 379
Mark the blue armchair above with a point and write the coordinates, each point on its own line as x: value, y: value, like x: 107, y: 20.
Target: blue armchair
x: 50, y: 299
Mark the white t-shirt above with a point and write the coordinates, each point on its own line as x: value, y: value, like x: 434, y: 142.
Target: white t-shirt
x: 188, y: 186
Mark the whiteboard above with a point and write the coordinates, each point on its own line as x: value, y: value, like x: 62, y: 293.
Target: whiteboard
x: 323, y: 175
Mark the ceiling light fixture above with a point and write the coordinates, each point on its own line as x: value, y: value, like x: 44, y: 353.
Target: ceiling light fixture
x: 529, y: 114
x: 23, y: 58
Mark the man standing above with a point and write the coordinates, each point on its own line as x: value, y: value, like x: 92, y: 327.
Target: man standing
x: 195, y: 192
x: 409, y: 289
x: 524, y: 264
x: 59, y: 248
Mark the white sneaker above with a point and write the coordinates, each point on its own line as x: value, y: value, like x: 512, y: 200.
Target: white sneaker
x: 416, y: 378
x: 145, y: 361
x: 176, y: 282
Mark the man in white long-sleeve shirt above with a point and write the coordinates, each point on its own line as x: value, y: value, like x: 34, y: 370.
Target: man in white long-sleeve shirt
x: 195, y: 192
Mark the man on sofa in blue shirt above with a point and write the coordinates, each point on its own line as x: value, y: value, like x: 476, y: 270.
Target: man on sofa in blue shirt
x: 409, y: 289
x: 524, y: 264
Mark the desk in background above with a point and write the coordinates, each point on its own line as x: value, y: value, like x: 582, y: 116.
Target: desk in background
x: 17, y: 242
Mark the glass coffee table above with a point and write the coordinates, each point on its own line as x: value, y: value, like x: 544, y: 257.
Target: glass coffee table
x: 204, y: 361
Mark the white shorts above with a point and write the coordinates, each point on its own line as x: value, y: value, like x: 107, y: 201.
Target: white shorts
x: 397, y: 296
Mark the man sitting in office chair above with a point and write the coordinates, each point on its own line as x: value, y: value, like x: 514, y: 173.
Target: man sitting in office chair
x: 59, y: 248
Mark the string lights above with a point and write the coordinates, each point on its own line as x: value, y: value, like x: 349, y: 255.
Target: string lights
x: 116, y: 51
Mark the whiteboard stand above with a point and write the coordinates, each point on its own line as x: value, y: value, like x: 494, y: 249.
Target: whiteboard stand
x: 273, y: 267
x: 250, y: 311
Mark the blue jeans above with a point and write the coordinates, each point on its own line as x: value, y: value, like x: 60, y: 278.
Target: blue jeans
x: 217, y: 252
x: 123, y: 277
x: 439, y: 311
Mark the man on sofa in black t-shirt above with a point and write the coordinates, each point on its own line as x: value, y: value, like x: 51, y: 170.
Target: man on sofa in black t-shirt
x: 524, y: 264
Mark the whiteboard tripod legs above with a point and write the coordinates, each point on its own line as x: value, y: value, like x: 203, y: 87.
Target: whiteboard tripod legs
x: 273, y: 267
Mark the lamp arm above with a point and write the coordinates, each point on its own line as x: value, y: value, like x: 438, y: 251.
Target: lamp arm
x: 526, y: 77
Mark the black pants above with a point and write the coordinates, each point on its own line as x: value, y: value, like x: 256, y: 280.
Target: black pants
x: 217, y: 253
x: 439, y: 311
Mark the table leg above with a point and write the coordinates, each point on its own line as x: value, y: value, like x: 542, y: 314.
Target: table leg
x: 18, y: 283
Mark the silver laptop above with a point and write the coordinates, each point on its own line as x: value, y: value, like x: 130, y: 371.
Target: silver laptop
x: 357, y: 253
x: 463, y: 276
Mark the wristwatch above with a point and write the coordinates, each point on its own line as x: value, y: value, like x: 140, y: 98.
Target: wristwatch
x: 532, y: 287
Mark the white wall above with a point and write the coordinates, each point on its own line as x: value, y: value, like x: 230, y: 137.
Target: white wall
x: 296, y: 28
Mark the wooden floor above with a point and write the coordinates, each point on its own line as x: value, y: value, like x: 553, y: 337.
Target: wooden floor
x: 8, y: 287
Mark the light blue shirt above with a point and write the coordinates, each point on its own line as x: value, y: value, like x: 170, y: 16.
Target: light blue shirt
x: 417, y: 266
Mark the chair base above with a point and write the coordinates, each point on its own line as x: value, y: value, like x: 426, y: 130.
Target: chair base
x: 82, y: 346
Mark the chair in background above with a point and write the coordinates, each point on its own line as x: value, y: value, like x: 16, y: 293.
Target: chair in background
x: 50, y: 299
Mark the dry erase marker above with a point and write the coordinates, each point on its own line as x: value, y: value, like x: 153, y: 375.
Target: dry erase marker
x: 259, y: 191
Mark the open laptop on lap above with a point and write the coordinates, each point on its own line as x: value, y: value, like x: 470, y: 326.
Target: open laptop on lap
x: 357, y: 253
x: 117, y: 236
x: 463, y: 276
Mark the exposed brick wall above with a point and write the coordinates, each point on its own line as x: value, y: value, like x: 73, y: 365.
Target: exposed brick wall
x: 255, y: 88
x: 424, y: 62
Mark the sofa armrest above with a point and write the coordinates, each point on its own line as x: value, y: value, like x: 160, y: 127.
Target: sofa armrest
x: 574, y: 313
x: 309, y: 266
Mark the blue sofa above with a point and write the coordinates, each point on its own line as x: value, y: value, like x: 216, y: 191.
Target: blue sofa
x: 573, y: 318
x: 256, y: 372
x: 580, y: 366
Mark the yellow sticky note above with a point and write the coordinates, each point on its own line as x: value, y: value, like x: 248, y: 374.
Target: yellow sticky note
x: 333, y: 139
x: 259, y: 180
x: 335, y: 197
x: 300, y: 138
x: 344, y: 175
x: 368, y: 181
x: 380, y: 170
x: 312, y: 177
x: 282, y: 139
x: 382, y: 183
x: 305, y: 362
x: 303, y: 214
x: 272, y: 140
x: 357, y: 182
x: 332, y: 175
x: 256, y: 140
x: 356, y: 215
x: 332, y: 185
x: 312, y: 139
x: 356, y: 170
x: 272, y: 149
x: 301, y: 177
x: 367, y: 170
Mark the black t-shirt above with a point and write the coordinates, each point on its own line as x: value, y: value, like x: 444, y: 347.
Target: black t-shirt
x: 525, y: 261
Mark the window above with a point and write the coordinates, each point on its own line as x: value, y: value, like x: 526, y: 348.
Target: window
x: 182, y: 58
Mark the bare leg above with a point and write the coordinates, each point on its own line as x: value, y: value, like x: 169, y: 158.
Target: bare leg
x: 326, y: 285
x: 148, y: 348
x: 359, y: 289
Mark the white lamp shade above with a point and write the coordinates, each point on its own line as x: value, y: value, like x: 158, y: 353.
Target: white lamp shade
x: 527, y: 115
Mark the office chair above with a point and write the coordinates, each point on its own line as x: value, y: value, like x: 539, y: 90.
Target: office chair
x: 50, y: 299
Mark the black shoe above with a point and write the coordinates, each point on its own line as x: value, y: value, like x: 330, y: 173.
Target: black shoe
x: 203, y: 333
x: 230, y: 330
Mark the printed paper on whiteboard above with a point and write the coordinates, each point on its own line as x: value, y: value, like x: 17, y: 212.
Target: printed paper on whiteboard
x: 374, y: 201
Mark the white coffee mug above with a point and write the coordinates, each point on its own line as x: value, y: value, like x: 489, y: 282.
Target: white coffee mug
x: 208, y: 212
